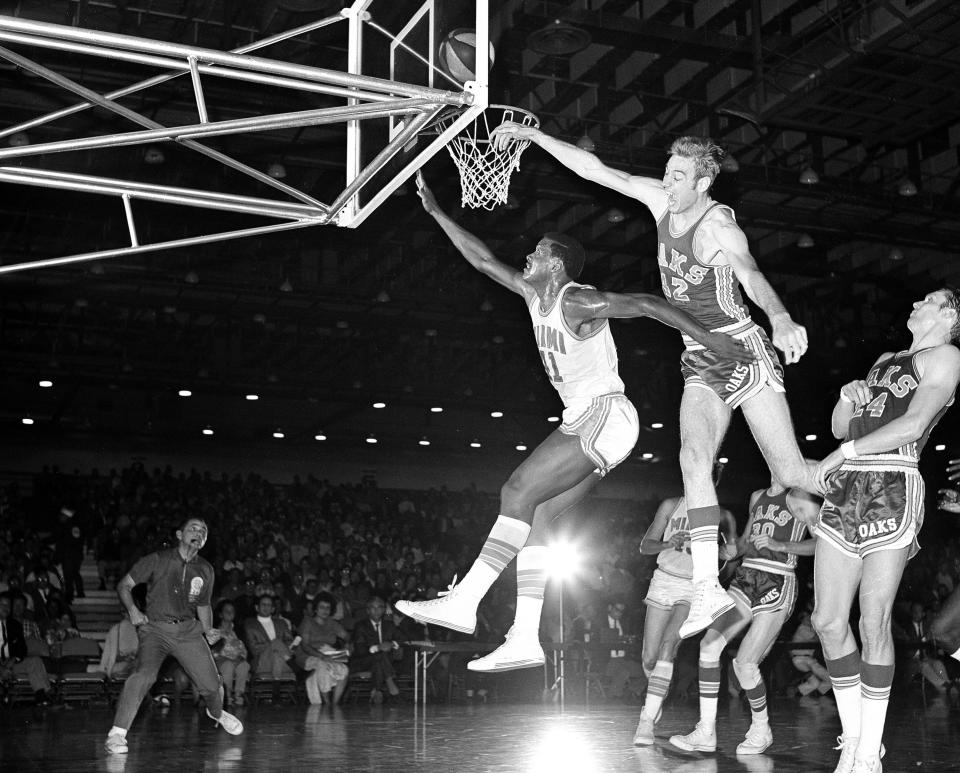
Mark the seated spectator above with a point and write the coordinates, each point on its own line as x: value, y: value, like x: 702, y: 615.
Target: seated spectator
x: 916, y: 657
x: 230, y: 655
x: 40, y: 593
x: 806, y: 660
x: 120, y: 648
x: 36, y: 645
x: 15, y: 662
x: 323, y: 653
x: 621, y: 662
x: 376, y: 642
x: 269, y: 639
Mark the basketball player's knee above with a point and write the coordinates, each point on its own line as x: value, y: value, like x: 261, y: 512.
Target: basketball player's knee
x: 828, y: 627
x: 514, y: 496
x: 694, y: 460
x: 874, y: 628
x: 748, y: 674
x: 711, y: 648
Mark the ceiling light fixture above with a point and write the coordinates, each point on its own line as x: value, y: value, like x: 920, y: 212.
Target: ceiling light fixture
x: 436, y: 409
x: 521, y: 447
x: 423, y: 441
x: 616, y: 215
x: 277, y: 170
x: 153, y: 156
x: 252, y: 396
x: 809, y: 177
x: 45, y: 383
x: 26, y: 420
x: 896, y: 254
x: 278, y: 434
x: 907, y: 188
x: 730, y: 164
x: 191, y: 277
x: 19, y: 139
x: 805, y: 241
x: 208, y: 430
x: 496, y: 414
x: 185, y: 393
x: 379, y: 405
x: 371, y: 439
x: 558, y: 38
x: 285, y: 286
x: 319, y: 436
x: 475, y: 444
x: 383, y: 297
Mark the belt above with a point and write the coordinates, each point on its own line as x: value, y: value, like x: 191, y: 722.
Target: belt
x: 175, y: 620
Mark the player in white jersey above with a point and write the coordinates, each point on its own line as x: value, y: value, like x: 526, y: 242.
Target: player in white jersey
x: 598, y: 432
x: 668, y: 600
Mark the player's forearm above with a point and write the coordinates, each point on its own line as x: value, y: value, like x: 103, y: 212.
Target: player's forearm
x: 126, y: 597
x: 205, y: 614
x: 577, y: 160
x: 660, y: 310
x: 761, y: 292
x: 471, y: 247
x: 889, y: 437
x: 653, y: 547
x: 840, y: 419
x: 805, y: 548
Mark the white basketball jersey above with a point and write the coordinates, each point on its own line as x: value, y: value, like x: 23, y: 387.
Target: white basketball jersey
x: 677, y: 562
x: 579, y: 368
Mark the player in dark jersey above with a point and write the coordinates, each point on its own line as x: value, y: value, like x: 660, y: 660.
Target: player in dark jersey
x: 704, y: 260
x: 178, y: 617
x: 872, y: 513
x: 765, y: 590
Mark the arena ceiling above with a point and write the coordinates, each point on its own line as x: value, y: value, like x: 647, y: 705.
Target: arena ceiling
x: 320, y: 322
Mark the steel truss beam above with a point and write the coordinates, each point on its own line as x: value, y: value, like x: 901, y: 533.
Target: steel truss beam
x: 365, y: 98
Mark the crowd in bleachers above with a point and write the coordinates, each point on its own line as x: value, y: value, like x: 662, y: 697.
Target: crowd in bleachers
x: 314, y: 560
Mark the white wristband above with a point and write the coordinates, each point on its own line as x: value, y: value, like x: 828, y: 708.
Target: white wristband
x: 848, y: 449
x: 844, y: 398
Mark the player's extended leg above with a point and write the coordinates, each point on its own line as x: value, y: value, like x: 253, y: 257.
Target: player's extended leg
x: 193, y: 654
x: 836, y: 576
x: 768, y: 416
x: 882, y: 571
x: 724, y: 629
x: 661, y: 639
x: 753, y: 649
x: 945, y: 627
x: 557, y: 465
x: 704, y: 419
x: 522, y: 648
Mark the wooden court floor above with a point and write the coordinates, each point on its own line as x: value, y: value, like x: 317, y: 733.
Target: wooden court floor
x: 923, y: 734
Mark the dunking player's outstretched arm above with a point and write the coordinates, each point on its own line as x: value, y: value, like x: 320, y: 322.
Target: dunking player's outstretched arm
x: 940, y: 366
x: 471, y: 247
x: 584, y: 305
x: 720, y: 240
x: 647, y: 190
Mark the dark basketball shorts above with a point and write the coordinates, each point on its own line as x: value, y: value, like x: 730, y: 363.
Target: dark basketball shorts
x: 764, y: 592
x: 866, y: 510
x: 731, y: 380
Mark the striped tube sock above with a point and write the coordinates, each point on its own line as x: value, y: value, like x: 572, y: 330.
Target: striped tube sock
x: 704, y: 522
x: 531, y: 580
x: 757, y: 696
x: 709, y: 690
x: 503, y: 543
x: 845, y: 678
x: 875, y: 681
x: 657, y: 686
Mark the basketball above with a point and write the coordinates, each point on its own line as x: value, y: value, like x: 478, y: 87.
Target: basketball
x: 458, y: 54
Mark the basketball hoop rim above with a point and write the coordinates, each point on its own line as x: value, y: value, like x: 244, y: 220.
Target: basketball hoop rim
x: 444, y: 120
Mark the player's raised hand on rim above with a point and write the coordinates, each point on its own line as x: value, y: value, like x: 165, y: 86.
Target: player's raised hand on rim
x: 509, y: 131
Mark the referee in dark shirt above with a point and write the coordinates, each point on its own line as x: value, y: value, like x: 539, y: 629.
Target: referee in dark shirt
x: 178, y: 622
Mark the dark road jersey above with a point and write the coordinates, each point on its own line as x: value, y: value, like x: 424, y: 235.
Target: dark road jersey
x: 771, y: 517
x: 710, y: 294
x: 893, y: 382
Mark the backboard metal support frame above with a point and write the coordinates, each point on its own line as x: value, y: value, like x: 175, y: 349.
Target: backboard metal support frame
x: 365, y: 98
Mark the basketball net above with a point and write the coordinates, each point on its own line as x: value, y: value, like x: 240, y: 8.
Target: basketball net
x: 485, y: 171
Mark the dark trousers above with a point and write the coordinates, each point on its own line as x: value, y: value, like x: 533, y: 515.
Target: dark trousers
x: 380, y: 666
x: 186, y: 644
